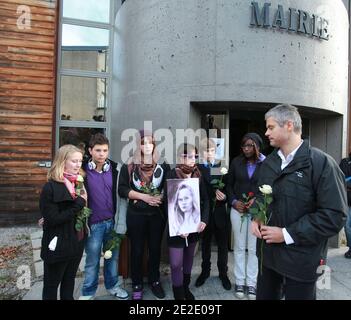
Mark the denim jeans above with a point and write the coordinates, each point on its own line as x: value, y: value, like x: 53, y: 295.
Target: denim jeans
x: 348, y: 228
x: 99, y: 235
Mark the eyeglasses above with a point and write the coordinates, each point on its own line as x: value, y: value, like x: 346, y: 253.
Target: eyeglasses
x: 190, y: 156
x: 248, y: 146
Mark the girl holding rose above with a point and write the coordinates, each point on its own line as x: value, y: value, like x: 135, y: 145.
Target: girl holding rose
x: 241, y: 188
x: 141, y: 181
x: 61, y: 250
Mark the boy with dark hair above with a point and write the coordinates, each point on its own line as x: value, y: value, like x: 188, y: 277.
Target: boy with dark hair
x: 101, y: 184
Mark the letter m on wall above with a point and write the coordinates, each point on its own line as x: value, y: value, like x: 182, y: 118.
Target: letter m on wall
x: 259, y: 18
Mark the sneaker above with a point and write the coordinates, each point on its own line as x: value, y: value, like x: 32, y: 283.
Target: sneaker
x: 157, y: 290
x: 137, y: 293
x: 239, y: 291
x: 347, y: 255
x: 118, y: 292
x: 201, y: 279
x: 86, y: 298
x: 225, y: 282
x: 251, y: 293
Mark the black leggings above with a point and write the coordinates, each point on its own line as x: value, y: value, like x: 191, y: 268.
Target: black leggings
x: 63, y: 274
x: 270, y: 287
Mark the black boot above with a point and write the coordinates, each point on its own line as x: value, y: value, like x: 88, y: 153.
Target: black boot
x: 187, y: 292
x: 178, y: 293
x: 202, y: 278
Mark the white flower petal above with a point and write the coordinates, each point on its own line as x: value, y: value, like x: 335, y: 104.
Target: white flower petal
x: 108, y: 254
x: 266, y: 189
x: 224, y: 170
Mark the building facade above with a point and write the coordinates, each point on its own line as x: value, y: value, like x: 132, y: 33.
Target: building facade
x: 65, y: 74
x: 28, y: 58
x: 179, y: 62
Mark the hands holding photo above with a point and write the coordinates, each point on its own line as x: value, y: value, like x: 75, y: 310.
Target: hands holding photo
x: 202, y: 226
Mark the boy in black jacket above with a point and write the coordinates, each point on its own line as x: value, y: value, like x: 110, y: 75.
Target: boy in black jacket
x: 219, y: 222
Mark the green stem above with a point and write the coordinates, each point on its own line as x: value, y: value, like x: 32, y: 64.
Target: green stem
x: 265, y: 223
x: 261, y: 264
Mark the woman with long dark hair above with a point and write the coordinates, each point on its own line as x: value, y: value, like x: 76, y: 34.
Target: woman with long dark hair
x: 141, y: 182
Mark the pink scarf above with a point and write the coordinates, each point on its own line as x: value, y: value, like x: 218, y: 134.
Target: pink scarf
x: 70, y: 180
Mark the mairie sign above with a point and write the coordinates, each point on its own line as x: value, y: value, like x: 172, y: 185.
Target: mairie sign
x: 294, y: 20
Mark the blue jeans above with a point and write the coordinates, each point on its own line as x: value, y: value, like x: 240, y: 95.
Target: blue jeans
x: 99, y: 235
x: 348, y: 228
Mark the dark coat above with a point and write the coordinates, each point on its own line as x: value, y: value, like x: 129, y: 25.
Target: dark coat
x: 309, y: 200
x: 218, y: 215
x: 345, y: 166
x: 178, y: 241
x: 59, y: 210
x: 239, y: 181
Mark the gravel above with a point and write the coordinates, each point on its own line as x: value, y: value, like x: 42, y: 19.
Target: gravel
x: 16, y: 259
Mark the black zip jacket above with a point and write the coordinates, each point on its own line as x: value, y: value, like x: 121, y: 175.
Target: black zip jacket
x: 309, y: 200
x: 218, y: 216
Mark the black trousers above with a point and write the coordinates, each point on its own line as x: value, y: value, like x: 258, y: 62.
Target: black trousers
x: 144, y: 229
x: 270, y: 287
x: 63, y: 274
x: 221, y: 236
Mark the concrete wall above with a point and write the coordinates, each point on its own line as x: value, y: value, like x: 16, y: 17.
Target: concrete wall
x: 169, y: 53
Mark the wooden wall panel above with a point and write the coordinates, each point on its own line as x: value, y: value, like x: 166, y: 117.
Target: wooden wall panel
x: 27, y: 106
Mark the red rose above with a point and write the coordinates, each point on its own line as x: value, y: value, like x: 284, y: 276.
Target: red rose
x: 142, y: 183
x: 251, y: 194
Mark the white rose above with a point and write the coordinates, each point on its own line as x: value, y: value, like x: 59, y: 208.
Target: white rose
x: 108, y: 254
x: 266, y: 189
x: 224, y: 170
x: 80, y: 178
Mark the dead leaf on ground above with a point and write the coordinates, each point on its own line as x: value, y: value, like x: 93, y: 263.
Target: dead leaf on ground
x: 8, y: 253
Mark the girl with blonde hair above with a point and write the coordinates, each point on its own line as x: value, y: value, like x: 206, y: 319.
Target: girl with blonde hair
x: 59, y: 204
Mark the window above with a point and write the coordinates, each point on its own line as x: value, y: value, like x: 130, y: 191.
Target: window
x: 84, y: 70
x: 92, y: 10
x: 78, y: 136
x: 83, y: 98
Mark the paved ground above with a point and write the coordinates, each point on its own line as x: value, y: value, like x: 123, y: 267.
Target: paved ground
x: 336, y: 286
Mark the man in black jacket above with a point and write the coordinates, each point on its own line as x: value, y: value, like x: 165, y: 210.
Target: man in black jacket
x: 345, y: 166
x: 309, y: 204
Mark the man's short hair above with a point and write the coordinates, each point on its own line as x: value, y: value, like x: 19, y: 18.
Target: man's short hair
x: 282, y: 113
x: 98, y: 138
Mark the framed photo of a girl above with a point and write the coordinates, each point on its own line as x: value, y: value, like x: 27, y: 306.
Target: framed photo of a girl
x: 183, y: 206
